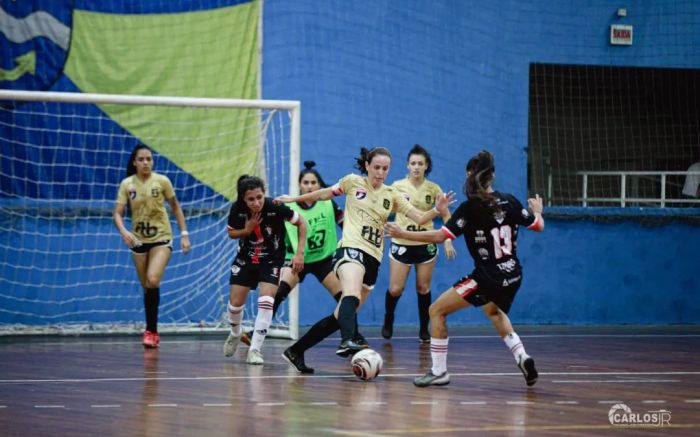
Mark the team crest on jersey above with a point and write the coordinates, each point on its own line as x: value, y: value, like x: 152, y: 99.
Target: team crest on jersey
x: 483, y: 253
x: 428, y: 199
x: 402, y: 250
x: 132, y: 192
x: 386, y: 204
x: 460, y: 223
x: 432, y: 249
x: 354, y: 254
x: 407, y: 197
x: 360, y: 194
x: 155, y: 192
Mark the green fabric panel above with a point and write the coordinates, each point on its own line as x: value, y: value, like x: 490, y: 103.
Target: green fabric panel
x: 321, y: 236
x: 210, y: 53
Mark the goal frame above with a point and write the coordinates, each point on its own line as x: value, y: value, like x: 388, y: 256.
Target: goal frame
x: 293, y: 106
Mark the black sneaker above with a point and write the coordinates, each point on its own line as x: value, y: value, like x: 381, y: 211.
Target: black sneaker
x: 361, y: 341
x: 387, y: 330
x: 297, y: 361
x: 424, y: 335
x: 348, y: 348
x: 431, y: 379
x: 527, y: 365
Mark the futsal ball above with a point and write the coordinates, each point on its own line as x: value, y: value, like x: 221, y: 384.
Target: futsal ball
x: 367, y: 364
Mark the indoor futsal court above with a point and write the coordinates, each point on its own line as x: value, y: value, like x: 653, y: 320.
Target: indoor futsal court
x: 111, y: 386
x: 194, y: 192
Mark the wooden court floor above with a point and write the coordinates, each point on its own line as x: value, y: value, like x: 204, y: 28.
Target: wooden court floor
x: 105, y: 386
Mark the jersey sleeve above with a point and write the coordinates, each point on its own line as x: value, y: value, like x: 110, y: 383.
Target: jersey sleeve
x: 522, y: 216
x: 286, y: 213
x: 235, y: 222
x: 343, y: 185
x: 456, y: 224
x: 168, y: 190
x: 122, y: 195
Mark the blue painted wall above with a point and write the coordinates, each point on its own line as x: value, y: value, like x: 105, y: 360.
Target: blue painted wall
x: 453, y: 76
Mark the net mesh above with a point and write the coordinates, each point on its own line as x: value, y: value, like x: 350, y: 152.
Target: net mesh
x: 63, y: 266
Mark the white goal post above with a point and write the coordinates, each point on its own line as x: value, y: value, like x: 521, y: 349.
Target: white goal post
x: 63, y: 267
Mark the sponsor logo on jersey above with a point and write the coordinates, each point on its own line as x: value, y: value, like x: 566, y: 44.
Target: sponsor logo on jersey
x: 479, y: 237
x: 507, y: 282
x: 386, y: 204
x: 507, y: 266
x: 132, y: 192
x: 360, y: 194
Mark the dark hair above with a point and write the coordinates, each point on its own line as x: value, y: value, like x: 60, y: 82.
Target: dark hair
x: 420, y: 150
x: 130, y: 167
x: 480, y: 171
x: 309, y: 168
x: 246, y: 183
x: 368, y: 155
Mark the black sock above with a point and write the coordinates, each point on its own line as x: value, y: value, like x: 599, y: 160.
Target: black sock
x: 282, y: 292
x: 322, y: 329
x: 346, y: 316
x: 151, y: 300
x: 423, y: 306
x: 390, y: 304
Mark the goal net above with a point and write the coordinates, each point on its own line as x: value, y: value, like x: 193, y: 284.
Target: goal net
x: 63, y: 265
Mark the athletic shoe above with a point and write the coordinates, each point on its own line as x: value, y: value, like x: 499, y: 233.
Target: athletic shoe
x: 361, y: 341
x: 387, y: 330
x: 245, y: 337
x: 231, y: 344
x: 156, y: 338
x: 348, y: 348
x: 424, y: 335
x: 297, y: 361
x: 254, y: 357
x: 527, y: 366
x: 432, y: 379
x: 148, y: 340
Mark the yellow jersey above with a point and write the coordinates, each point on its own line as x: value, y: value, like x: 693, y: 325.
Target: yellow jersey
x: 423, y: 199
x: 366, y: 211
x: 149, y: 219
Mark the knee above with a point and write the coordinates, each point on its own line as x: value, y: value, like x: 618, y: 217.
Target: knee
x: 422, y: 288
x: 395, y: 290
x: 436, y: 311
x: 152, y: 281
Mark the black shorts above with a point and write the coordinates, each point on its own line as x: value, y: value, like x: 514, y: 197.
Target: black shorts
x: 249, y: 275
x: 320, y: 269
x: 146, y: 247
x: 482, y: 287
x: 421, y: 254
x: 350, y: 255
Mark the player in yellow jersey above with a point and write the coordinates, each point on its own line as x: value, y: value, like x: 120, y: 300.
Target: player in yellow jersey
x: 150, y: 239
x: 368, y: 203
x: 422, y: 194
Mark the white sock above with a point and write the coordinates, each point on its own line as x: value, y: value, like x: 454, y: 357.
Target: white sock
x: 262, y: 321
x: 235, y: 314
x: 438, y: 352
x: 515, y: 345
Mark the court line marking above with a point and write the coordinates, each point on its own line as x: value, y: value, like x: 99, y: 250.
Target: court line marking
x: 335, y: 339
x: 271, y: 404
x: 654, y: 401
x: 610, y: 402
x: 321, y: 403
x: 519, y: 403
x: 217, y: 405
x: 692, y: 401
x: 49, y: 406
x: 372, y: 403
x: 105, y: 406
x: 424, y: 402
x: 612, y: 381
x: 342, y: 376
x: 500, y: 428
x: 473, y: 403
x: 566, y: 402
x: 163, y: 405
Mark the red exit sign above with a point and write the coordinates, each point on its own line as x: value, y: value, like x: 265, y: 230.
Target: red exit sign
x: 621, y: 34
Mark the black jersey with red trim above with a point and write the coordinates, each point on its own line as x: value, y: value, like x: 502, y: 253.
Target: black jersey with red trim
x: 491, y: 238
x: 266, y: 242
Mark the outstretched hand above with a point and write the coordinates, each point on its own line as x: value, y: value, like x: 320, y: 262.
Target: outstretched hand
x: 444, y: 200
x: 392, y: 230
x: 535, y: 204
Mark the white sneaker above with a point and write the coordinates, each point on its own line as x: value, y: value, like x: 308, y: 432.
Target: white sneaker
x: 231, y: 344
x: 254, y: 357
